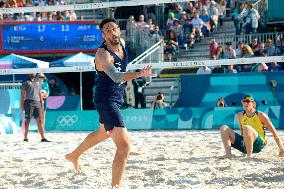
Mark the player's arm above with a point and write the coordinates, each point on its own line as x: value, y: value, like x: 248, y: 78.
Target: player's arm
x: 266, y: 121
x: 104, y: 62
x: 239, y: 116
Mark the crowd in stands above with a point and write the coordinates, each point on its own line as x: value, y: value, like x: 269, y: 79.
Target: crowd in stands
x: 66, y: 15
x: 255, y: 48
x: 186, y: 24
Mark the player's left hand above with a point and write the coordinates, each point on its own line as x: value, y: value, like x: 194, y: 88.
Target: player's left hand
x: 146, y: 72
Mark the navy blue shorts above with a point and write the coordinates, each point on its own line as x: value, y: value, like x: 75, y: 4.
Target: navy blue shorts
x: 110, y: 115
x: 239, y: 144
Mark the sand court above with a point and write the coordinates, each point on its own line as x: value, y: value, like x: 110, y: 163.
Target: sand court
x: 159, y: 159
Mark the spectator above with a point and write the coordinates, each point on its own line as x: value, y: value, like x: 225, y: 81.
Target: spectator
x: 187, y: 27
x: 230, y: 69
x: 198, y: 8
x: 38, y: 18
x: 254, y: 43
x: 270, y: 48
x: 20, y: 18
x: 177, y: 27
x: 203, y: 70
x: 252, y: 18
x: 206, y: 19
x: 178, y: 10
x: 159, y: 101
x: 183, y: 18
x: 54, y: 88
x: 213, y: 47
x: 245, y: 50
x: 187, y: 31
x: 150, y: 25
x: 221, y: 102
x: 81, y: 17
x: 10, y: 18
x: 40, y: 3
x: 213, y: 13
x: 245, y: 68
x: 1, y: 18
x: 72, y: 15
x: 44, y: 16
x: 141, y: 22
x: 29, y: 3
x: 190, y: 9
x: 230, y: 51
x: 237, y: 19
x: 156, y: 35
x: 197, y: 26
x: 218, y: 69
x: 11, y: 4
x: 221, y: 53
x: 20, y: 3
x: 260, y: 67
x: 221, y: 7
x: 260, y: 50
x: 182, y: 40
x: 171, y: 19
x: 171, y: 46
x: 274, y: 67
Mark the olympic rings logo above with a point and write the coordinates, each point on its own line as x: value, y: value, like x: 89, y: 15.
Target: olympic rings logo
x: 67, y: 120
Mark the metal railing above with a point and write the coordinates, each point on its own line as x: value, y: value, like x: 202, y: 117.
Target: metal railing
x: 262, y: 38
x: 176, y: 82
x: 147, y: 56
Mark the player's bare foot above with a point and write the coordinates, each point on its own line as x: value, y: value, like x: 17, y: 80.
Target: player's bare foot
x: 73, y: 160
x: 226, y: 156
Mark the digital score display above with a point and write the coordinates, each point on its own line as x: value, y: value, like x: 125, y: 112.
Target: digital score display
x: 50, y: 37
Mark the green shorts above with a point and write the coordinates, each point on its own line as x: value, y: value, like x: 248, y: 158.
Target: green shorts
x: 239, y: 144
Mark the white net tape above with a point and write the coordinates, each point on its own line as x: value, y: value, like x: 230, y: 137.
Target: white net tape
x: 161, y: 65
x: 10, y: 85
x: 87, y: 6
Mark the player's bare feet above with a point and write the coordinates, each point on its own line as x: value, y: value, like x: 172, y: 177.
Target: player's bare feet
x: 73, y: 160
x: 226, y: 156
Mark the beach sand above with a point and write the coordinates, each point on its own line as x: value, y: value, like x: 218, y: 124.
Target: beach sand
x: 159, y: 160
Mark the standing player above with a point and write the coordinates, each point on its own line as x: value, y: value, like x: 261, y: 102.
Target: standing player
x: 111, y: 61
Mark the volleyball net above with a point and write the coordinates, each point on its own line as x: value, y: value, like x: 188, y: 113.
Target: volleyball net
x: 155, y: 65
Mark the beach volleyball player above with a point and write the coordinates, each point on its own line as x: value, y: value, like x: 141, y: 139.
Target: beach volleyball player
x: 111, y: 61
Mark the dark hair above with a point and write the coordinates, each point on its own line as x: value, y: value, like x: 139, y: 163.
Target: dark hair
x: 105, y: 21
x: 229, y: 43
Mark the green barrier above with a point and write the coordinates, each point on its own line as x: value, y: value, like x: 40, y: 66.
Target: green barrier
x: 145, y: 119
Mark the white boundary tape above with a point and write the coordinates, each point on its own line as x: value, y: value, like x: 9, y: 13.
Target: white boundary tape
x: 160, y: 65
x: 86, y: 6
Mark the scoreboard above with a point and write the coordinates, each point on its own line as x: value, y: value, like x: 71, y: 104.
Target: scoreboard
x: 25, y: 37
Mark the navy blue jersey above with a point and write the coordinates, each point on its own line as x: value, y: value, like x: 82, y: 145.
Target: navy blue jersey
x: 106, y: 89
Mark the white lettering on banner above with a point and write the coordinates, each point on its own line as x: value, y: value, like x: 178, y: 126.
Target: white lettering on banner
x: 209, y: 62
x: 67, y: 120
x: 138, y: 118
x: 87, y: 6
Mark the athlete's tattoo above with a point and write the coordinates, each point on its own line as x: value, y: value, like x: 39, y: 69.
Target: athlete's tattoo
x: 114, y: 74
